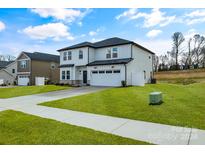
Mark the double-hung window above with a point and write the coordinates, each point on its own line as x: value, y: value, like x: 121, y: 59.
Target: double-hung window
x: 69, y: 55
x: 65, y: 56
x: 68, y: 75
x: 80, y: 54
x: 63, y: 75
x: 114, y: 53
x: 23, y: 64
x: 108, y: 55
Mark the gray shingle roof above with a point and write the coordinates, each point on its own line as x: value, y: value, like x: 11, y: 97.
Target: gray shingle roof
x: 3, y: 64
x: 43, y: 56
x: 105, y: 43
x: 66, y: 65
x: 110, y: 62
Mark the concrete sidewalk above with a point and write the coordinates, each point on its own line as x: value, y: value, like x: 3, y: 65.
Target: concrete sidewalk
x: 134, y: 129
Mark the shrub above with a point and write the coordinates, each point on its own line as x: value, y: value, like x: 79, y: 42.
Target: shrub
x: 123, y: 83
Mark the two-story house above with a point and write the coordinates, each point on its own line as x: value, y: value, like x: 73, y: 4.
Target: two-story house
x: 32, y: 65
x: 8, y: 72
x: 106, y: 63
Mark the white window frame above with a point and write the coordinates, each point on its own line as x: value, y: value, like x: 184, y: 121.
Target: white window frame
x: 80, y: 54
x: 68, y: 75
x: 69, y: 55
x: 63, y: 75
x: 65, y: 56
x: 108, y: 53
x: 114, y: 53
x: 23, y: 64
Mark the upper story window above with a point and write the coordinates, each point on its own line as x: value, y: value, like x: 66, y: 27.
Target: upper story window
x: 80, y: 54
x: 23, y: 64
x: 65, y: 56
x: 69, y: 55
x: 114, y: 52
x: 13, y: 71
x: 108, y: 55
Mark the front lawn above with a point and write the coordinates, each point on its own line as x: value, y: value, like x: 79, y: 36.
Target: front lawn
x: 184, y: 105
x: 20, y: 128
x: 28, y: 90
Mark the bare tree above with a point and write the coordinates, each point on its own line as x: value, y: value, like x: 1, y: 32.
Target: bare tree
x: 156, y: 63
x: 199, y: 42
x: 177, y: 39
x: 7, y: 58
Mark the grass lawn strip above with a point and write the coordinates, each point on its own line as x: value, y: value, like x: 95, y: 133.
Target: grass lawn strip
x: 28, y: 90
x: 183, y: 104
x: 20, y: 128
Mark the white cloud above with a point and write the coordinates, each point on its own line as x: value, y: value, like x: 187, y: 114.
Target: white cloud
x: 195, y: 17
x: 190, y: 33
x: 153, y: 33
x: 56, y: 31
x: 92, y: 33
x: 95, y: 32
x: 2, y: 26
x: 129, y: 13
x: 197, y: 13
x: 154, y: 18
x: 67, y: 15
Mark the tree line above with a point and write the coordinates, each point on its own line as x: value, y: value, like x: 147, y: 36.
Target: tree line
x: 185, y: 54
x: 7, y: 58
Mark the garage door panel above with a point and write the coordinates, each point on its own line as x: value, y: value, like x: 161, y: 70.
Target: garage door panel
x: 23, y: 80
x: 106, y: 79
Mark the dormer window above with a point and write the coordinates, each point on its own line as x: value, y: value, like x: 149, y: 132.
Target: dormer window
x: 65, y: 56
x: 108, y: 55
x: 114, y: 53
x: 23, y: 64
x: 80, y: 54
x: 69, y: 55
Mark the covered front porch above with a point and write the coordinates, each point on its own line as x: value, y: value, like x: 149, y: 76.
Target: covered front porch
x: 74, y: 75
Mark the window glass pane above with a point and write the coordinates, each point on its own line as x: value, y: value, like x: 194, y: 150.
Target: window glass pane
x: 94, y: 72
x: 80, y: 54
x: 65, y: 56
x: 63, y: 75
x: 109, y: 71
x: 114, y: 49
x: 116, y: 71
x: 69, y: 55
x: 68, y: 75
x: 101, y: 72
x: 108, y: 55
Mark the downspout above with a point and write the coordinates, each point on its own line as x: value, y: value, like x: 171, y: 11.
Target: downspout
x: 125, y: 73
x: 131, y: 51
x: 88, y: 55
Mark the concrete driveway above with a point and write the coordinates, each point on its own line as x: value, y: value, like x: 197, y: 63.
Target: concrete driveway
x: 50, y: 96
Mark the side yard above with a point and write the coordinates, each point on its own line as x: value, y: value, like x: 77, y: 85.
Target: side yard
x: 183, y: 104
x: 29, y: 90
x: 20, y: 128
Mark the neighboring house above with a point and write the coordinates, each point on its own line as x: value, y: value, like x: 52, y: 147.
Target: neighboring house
x: 32, y: 65
x: 106, y: 63
x: 8, y: 72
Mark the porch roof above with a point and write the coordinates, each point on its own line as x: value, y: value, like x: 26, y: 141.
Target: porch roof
x: 66, y: 65
x: 110, y: 62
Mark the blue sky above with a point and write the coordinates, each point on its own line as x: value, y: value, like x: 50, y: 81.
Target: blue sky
x: 46, y: 30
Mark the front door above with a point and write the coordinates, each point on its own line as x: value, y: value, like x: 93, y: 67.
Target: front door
x: 85, y: 77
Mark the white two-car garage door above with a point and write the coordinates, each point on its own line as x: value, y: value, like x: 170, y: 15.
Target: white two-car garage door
x: 105, y: 78
x: 23, y: 80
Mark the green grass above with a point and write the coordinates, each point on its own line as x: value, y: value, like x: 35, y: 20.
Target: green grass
x: 20, y: 128
x: 184, y: 105
x: 28, y: 90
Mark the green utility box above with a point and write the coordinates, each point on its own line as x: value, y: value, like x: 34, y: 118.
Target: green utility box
x: 155, y: 98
